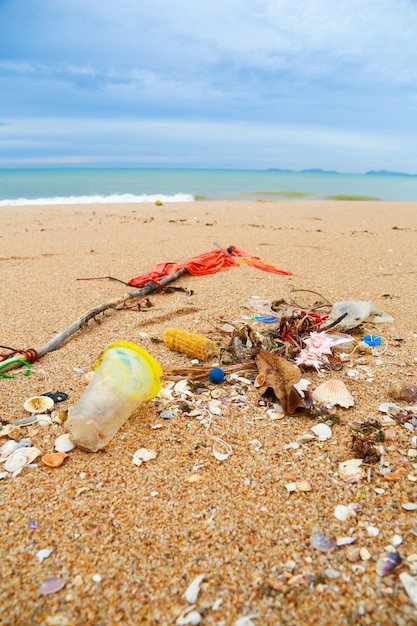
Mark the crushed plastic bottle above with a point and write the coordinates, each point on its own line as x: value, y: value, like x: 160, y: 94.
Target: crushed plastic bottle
x: 125, y: 376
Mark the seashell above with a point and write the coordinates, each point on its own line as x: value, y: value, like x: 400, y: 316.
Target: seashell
x: 341, y: 512
x: 183, y: 387
x: 409, y: 506
x: 333, y: 392
x: 322, y: 431
x: 51, y: 585
x: 142, y: 455
x: 259, y: 380
x: 189, y: 617
x: 58, y: 417
x: 410, y: 585
x: 38, y: 404
x: 54, y: 459
x: 8, y: 448
x: 387, y: 563
x: 304, y: 485
x: 44, y: 553
x: 364, y: 554
x: 390, y: 408
x: 44, y: 420
x: 350, y: 471
x: 11, y: 431
x: 345, y: 541
x: 191, y: 593
x: 322, y: 542
x: 63, y: 443
x: 21, y: 457
x: 214, y: 407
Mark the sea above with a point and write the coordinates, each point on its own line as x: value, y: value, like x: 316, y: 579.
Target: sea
x: 118, y: 185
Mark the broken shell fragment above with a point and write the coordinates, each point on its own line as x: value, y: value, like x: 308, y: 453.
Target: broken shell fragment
x: 11, y: 431
x: 387, y: 563
x: 410, y: 585
x: 143, y: 455
x: 21, y: 457
x: 54, y: 459
x: 259, y: 380
x: 322, y: 431
x: 63, y: 443
x: 51, y: 585
x: 191, y: 593
x: 333, y: 392
x: 322, y: 542
x: 38, y: 404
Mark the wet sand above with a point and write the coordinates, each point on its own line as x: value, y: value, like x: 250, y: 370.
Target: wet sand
x: 127, y: 541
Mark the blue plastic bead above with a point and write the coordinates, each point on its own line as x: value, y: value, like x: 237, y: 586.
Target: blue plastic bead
x: 216, y: 375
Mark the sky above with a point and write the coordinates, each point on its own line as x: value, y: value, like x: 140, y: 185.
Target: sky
x: 289, y: 84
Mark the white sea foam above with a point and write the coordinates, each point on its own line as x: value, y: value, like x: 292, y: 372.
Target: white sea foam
x: 112, y: 199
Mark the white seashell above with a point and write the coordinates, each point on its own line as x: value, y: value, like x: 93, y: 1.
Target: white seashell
x: 189, y: 616
x: 63, y: 443
x: 390, y: 408
x: 410, y: 585
x: 345, y: 541
x: 183, y: 387
x: 372, y: 531
x: 302, y: 385
x: 322, y: 431
x: 142, y: 455
x: 8, y: 448
x: 341, y: 512
x: 38, y: 404
x: 21, y: 457
x: 246, y: 620
x: 220, y: 456
x: 191, y: 594
x: 333, y: 392
x: 409, y: 506
x: 214, y: 407
x: 44, y: 420
x: 43, y: 554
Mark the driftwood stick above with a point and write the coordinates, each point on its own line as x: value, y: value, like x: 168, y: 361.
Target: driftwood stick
x: 59, y: 338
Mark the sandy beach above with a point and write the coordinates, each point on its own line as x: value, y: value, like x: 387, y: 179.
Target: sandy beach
x: 128, y: 540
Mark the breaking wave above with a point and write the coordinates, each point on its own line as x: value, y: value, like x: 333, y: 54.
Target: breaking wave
x: 111, y: 199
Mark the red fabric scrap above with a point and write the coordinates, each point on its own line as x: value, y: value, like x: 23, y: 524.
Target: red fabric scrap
x: 216, y: 260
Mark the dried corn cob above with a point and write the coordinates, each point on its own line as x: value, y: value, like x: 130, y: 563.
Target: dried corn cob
x: 197, y: 346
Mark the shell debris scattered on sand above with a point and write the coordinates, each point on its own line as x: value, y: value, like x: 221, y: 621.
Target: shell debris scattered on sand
x: 333, y: 392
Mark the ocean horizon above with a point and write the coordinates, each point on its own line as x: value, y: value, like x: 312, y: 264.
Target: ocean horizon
x: 123, y: 185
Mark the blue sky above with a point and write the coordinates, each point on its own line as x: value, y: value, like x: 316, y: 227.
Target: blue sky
x: 196, y: 83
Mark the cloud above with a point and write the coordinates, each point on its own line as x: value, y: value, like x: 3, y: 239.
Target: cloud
x: 319, y: 74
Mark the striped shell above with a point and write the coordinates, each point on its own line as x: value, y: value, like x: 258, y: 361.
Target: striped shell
x: 333, y: 392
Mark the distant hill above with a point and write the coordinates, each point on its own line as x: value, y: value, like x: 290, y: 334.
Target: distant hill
x: 386, y: 173
x: 313, y: 170
x: 317, y: 170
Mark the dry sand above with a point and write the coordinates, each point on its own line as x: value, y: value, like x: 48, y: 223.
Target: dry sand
x: 148, y: 531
